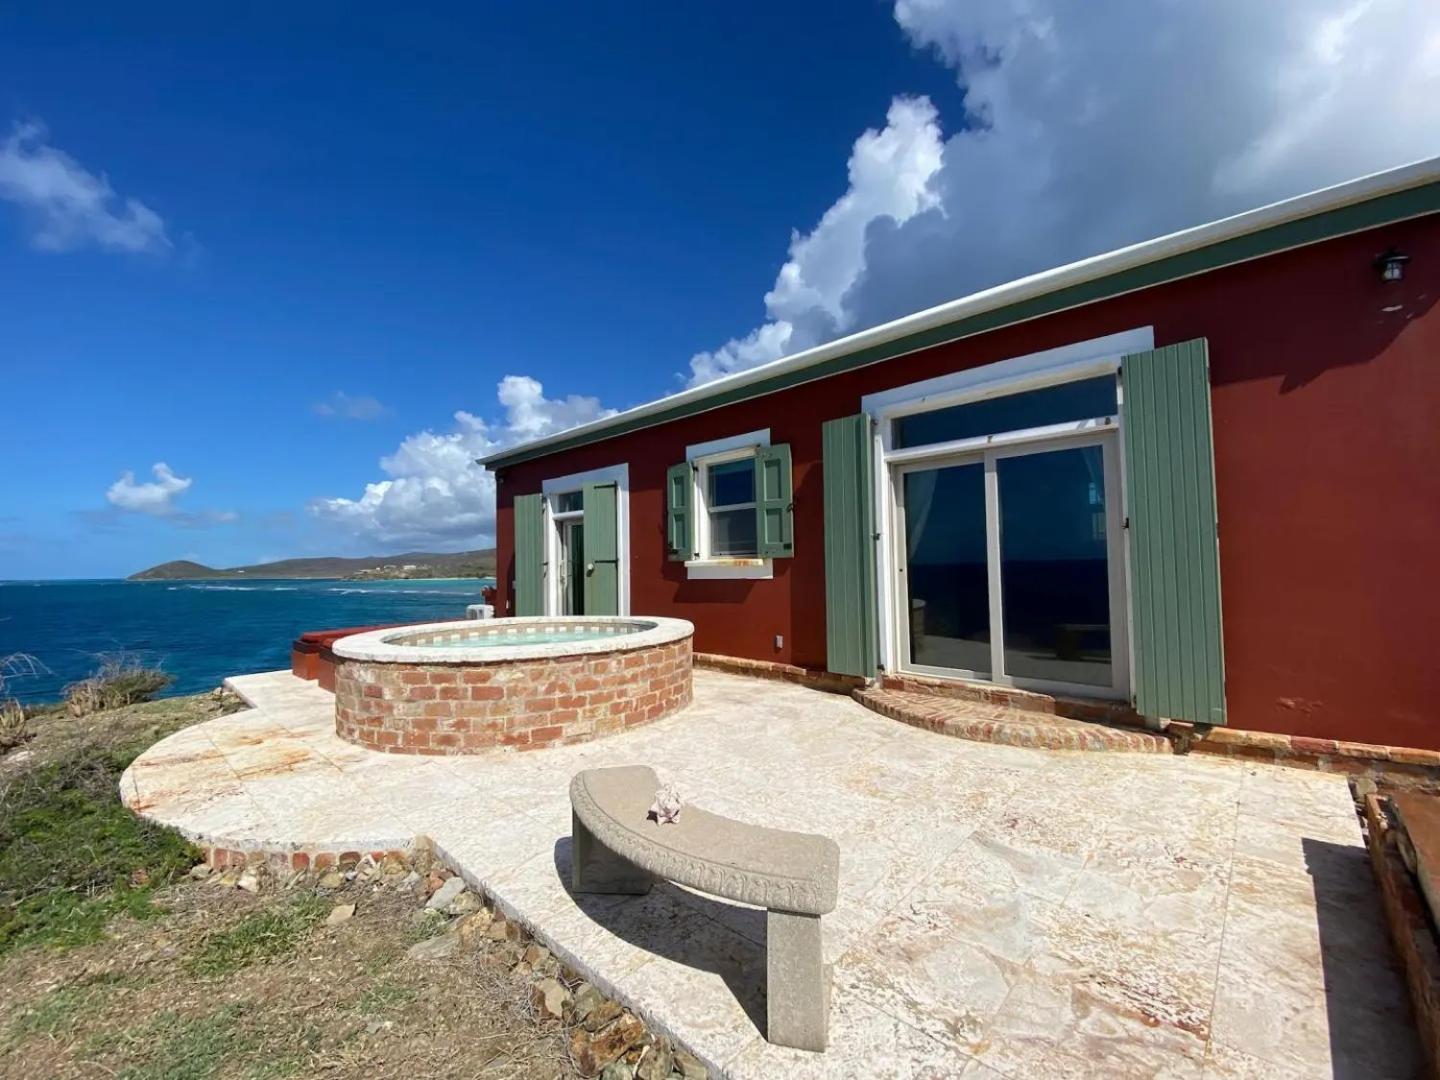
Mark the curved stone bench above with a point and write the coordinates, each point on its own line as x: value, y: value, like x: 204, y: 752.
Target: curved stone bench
x: 795, y: 876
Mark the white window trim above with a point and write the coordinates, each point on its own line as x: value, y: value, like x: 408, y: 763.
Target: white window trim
x: 1067, y: 363
x: 699, y: 457
x: 560, y: 485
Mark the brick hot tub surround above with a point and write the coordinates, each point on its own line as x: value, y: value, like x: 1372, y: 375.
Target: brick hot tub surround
x: 466, y: 687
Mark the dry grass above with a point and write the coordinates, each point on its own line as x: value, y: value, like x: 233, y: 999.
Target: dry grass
x: 120, y: 681
x: 14, y: 725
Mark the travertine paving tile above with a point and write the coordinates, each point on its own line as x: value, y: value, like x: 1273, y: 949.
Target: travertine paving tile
x: 1004, y: 912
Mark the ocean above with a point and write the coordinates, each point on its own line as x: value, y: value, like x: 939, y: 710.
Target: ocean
x: 199, y: 631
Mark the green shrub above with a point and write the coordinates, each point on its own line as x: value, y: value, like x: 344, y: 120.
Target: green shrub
x: 71, y: 856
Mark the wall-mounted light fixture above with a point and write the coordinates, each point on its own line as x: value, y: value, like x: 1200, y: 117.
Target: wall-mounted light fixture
x: 1391, y: 265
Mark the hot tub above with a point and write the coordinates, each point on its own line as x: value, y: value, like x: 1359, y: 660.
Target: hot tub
x: 465, y: 687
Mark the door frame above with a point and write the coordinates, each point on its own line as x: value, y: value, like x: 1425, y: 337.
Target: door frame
x: 1084, y: 434
x: 552, y: 489
x: 1078, y: 360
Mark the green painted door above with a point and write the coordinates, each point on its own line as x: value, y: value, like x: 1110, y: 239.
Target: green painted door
x: 602, y: 548
x: 850, y: 616
x: 1173, y: 534
x: 529, y: 555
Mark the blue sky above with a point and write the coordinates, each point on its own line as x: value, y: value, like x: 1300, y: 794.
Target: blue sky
x: 279, y: 252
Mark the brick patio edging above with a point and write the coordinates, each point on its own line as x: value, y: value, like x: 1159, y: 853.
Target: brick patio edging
x: 282, y: 860
x: 1411, y: 930
x: 826, y: 681
x: 527, y: 704
x: 1400, y: 768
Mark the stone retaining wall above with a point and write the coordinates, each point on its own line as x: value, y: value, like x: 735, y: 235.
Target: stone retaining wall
x: 528, y: 704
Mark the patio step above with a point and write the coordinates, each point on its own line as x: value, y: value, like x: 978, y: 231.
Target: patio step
x: 1007, y: 725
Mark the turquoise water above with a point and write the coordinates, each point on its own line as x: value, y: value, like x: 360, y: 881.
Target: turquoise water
x: 199, y: 631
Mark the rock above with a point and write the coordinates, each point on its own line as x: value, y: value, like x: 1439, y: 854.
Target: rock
x: 393, y: 866
x: 617, y: 1070
x: 340, y: 913
x: 502, y: 929
x: 448, y: 891
x: 439, y: 947
x: 467, y: 903
x: 655, y: 1064
x: 603, y: 1012
x: 422, y: 854
x: 586, y: 998
x: 333, y: 880
x: 550, y: 998
x: 473, y: 926
x: 1363, y: 786
x: 227, y: 880
x: 434, y: 880
x: 591, y: 1053
x: 689, y: 1067
x: 249, y: 882
x: 408, y: 883
x: 534, y: 954
x: 200, y: 871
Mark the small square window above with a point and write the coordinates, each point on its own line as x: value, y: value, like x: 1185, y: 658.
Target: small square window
x: 569, y: 501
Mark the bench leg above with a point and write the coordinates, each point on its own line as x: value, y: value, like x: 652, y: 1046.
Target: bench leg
x: 594, y: 868
x: 797, y: 981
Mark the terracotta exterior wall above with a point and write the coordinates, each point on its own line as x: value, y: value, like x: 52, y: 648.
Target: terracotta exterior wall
x: 1326, y: 397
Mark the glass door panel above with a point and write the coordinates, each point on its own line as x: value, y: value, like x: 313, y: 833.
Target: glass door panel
x: 572, y: 562
x: 1055, y: 566
x: 947, y: 594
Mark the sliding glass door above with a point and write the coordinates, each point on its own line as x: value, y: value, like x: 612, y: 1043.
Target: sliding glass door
x: 1008, y: 566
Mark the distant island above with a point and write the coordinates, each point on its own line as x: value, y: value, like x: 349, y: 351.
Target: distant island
x: 413, y: 564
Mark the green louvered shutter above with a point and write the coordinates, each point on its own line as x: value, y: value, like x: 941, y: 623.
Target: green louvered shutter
x: 679, y: 529
x: 774, y: 503
x: 602, y: 548
x: 1173, y: 534
x: 529, y: 555
x: 850, y: 616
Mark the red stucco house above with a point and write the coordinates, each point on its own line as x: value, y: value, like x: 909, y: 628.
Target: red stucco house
x: 1199, y: 476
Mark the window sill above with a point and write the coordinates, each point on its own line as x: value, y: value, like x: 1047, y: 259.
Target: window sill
x: 721, y: 569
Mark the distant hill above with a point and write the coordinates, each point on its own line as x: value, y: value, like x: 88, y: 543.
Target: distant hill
x: 413, y: 564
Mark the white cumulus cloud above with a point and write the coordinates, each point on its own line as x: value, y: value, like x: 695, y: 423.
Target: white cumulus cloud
x: 1089, y: 126
x: 157, y: 498
x: 433, y: 494
x: 150, y: 496
x: 65, y: 206
x: 890, y: 176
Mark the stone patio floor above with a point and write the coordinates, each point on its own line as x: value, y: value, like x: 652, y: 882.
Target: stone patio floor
x: 1004, y: 911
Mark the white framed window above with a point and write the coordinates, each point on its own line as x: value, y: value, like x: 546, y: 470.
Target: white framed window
x: 726, y: 540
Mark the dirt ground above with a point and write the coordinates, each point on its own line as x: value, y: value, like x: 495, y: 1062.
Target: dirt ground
x: 214, y: 981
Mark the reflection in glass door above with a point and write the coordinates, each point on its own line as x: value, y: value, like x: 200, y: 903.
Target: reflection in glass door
x: 948, y: 602
x: 1009, y: 565
x: 1054, y: 565
x: 572, y: 567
